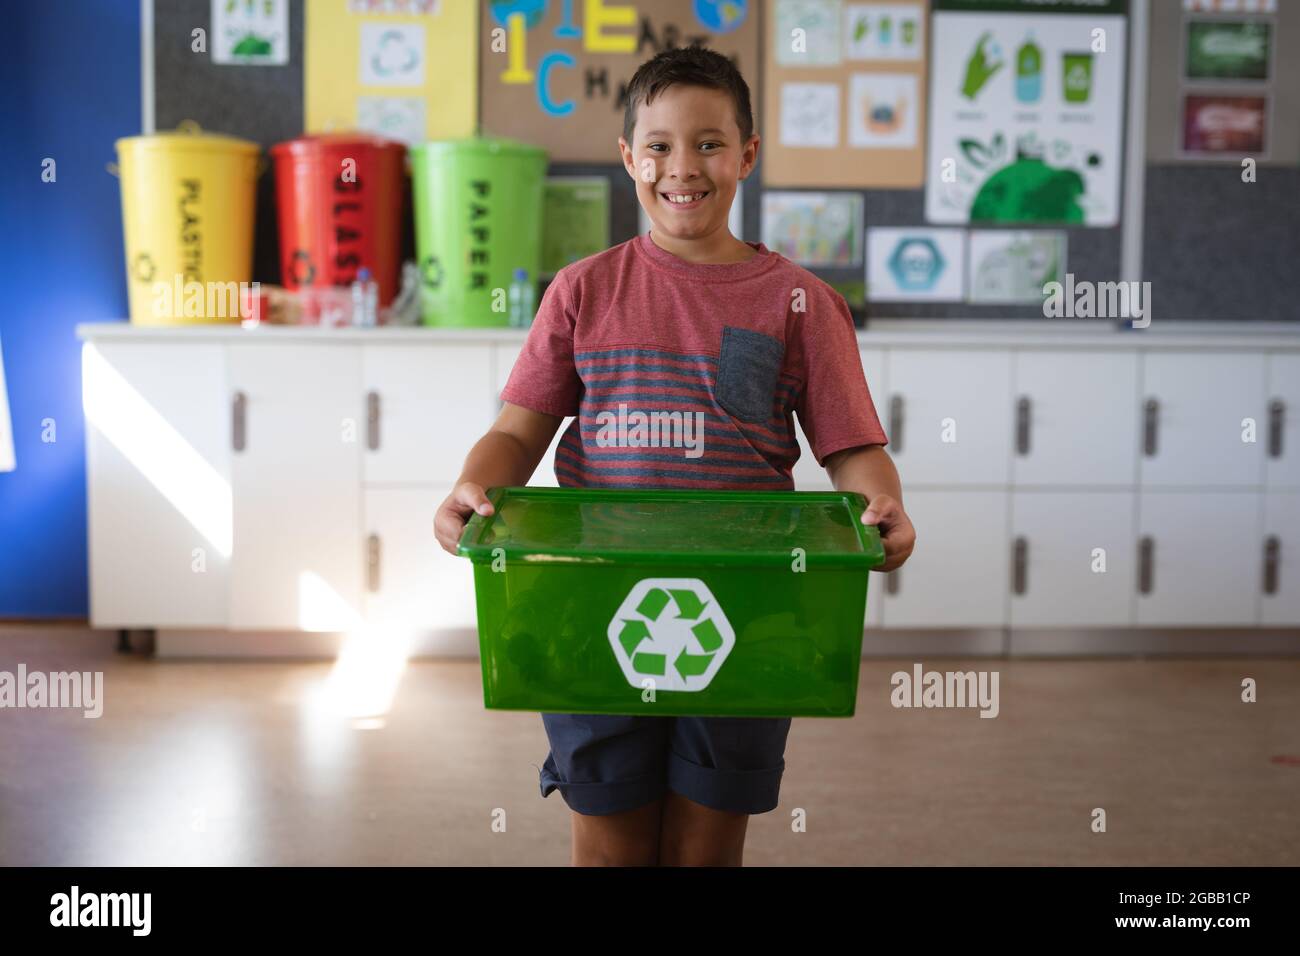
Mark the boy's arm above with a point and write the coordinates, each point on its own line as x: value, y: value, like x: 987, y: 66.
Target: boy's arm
x: 868, y: 470
x: 507, y: 455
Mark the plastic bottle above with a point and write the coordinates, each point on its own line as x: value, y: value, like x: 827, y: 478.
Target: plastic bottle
x: 365, y: 300
x: 1029, y: 71
x: 521, y: 300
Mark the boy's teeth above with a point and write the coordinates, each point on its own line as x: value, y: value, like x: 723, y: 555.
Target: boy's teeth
x: 691, y: 198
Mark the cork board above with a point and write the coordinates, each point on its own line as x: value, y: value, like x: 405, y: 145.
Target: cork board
x: 555, y: 75
x: 845, y: 93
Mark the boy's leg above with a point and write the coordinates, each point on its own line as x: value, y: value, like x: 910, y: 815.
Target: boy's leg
x: 720, y: 770
x: 610, y: 770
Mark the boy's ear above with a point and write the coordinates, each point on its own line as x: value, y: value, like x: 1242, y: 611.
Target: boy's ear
x: 749, y: 156
x: 628, y: 162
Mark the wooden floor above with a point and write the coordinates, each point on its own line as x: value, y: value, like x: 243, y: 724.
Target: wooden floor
x: 247, y: 763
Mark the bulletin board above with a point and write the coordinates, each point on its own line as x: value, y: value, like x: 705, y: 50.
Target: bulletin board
x: 845, y: 93
x: 401, y: 68
x: 555, y: 74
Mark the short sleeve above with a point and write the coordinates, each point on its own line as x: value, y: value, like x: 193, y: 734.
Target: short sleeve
x: 544, y: 377
x: 834, y: 407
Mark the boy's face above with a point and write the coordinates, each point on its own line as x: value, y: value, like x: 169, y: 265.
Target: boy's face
x: 686, y: 146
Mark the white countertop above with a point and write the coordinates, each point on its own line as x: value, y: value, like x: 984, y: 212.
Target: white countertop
x: 882, y: 333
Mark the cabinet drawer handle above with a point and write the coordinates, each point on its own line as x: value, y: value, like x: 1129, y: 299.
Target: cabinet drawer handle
x: 896, y: 424
x: 1150, y: 426
x: 372, y: 562
x: 1019, y: 565
x: 1276, y: 425
x: 238, y: 427
x: 892, y: 582
x: 1272, y: 552
x: 372, y: 421
x: 1146, y: 564
x: 1023, y: 411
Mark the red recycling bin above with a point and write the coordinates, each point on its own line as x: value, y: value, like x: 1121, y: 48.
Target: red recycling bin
x: 340, y: 198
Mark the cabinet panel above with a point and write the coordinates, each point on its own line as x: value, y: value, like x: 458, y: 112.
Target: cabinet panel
x: 297, y: 491
x: 1204, y: 558
x: 958, y: 575
x: 1281, y: 436
x: 158, y: 484
x: 411, y: 582
x: 1072, y: 557
x: 949, y: 416
x: 1200, y: 401
x: 1076, y: 422
x: 430, y: 405
x: 1281, y: 607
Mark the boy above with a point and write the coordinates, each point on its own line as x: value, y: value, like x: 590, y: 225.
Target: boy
x: 686, y: 318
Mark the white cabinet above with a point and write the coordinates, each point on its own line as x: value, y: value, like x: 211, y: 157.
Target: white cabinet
x: 1280, y: 600
x: 1193, y: 409
x: 1074, y: 419
x: 410, y: 581
x: 1198, y: 558
x: 158, y: 484
x: 503, y: 361
x: 296, y: 470
x: 948, y: 416
x: 958, y: 575
x: 1281, y: 436
x: 1072, y: 558
x: 426, y: 406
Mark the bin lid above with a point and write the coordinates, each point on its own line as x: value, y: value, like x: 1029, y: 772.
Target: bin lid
x: 478, y: 146
x: 732, y: 528
x: 313, y: 143
x: 187, y: 136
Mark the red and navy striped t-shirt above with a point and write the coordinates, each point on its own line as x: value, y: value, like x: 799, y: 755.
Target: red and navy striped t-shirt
x: 684, y: 375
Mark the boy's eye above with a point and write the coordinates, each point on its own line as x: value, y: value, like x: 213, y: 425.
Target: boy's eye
x: 710, y: 145
x: 658, y: 147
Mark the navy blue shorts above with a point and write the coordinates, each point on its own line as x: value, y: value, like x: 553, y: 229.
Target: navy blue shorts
x: 606, y: 764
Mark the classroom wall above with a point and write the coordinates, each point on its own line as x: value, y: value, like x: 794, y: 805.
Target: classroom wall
x: 71, y: 76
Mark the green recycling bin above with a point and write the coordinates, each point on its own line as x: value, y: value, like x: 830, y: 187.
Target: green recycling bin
x: 478, y: 228
x: 698, y: 603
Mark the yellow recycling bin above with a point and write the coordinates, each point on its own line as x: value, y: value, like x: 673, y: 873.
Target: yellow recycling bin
x: 187, y: 210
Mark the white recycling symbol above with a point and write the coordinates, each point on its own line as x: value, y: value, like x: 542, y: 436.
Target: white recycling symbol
x: 672, y: 631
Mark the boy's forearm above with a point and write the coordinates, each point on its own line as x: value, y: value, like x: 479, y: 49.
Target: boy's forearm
x: 497, y: 459
x: 867, y: 469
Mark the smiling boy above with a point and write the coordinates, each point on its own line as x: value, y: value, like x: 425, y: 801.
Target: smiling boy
x: 685, y: 319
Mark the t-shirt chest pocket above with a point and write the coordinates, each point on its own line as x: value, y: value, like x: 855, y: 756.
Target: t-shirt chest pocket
x: 748, y: 366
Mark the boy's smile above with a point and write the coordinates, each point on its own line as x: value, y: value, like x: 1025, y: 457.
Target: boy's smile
x: 686, y: 157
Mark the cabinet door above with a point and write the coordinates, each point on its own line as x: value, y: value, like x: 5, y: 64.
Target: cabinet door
x: 1200, y: 400
x: 426, y: 406
x: 1280, y: 603
x: 1202, y: 558
x: 1281, y: 437
x: 504, y: 361
x: 1075, y: 419
x: 1072, y: 558
x: 297, y: 515
x: 949, y: 416
x: 158, y: 483
x: 410, y: 581
x: 958, y: 574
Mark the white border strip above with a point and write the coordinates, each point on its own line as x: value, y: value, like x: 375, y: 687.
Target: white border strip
x: 1135, y: 149
x: 146, y: 67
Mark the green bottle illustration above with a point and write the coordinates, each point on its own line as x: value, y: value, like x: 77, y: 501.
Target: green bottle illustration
x: 1029, y: 72
x: 909, y: 32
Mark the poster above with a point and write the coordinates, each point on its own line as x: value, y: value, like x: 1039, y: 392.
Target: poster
x: 916, y: 265
x: 1227, y: 50
x: 845, y: 94
x: 1011, y: 267
x: 555, y: 74
x: 817, y: 230
x: 1218, y: 124
x: 250, y: 32
x: 399, y: 68
x: 575, y: 220
x: 1026, y: 114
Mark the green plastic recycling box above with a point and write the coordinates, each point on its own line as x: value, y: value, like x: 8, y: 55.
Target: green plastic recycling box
x: 699, y: 603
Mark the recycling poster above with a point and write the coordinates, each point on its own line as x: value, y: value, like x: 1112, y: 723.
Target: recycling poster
x: 1026, y: 112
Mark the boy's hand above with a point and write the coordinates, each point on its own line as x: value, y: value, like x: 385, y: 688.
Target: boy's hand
x: 896, y: 531
x: 449, y: 521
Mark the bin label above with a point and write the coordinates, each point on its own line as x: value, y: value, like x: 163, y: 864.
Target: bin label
x: 672, y: 631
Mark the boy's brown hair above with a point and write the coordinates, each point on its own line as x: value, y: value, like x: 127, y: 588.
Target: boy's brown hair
x: 690, y: 66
